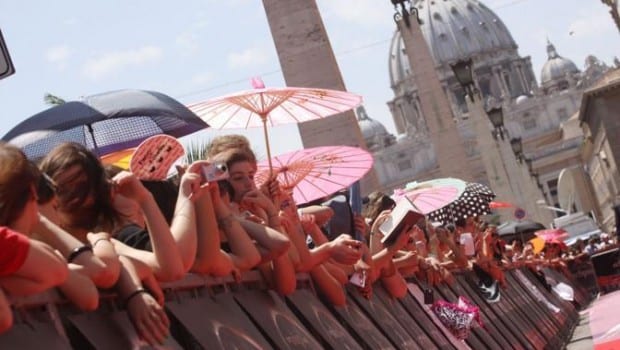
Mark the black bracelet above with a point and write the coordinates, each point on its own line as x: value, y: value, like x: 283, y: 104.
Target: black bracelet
x: 133, y: 294
x: 99, y: 240
x: 78, y: 251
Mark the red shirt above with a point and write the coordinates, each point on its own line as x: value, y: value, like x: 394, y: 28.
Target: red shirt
x: 13, y: 250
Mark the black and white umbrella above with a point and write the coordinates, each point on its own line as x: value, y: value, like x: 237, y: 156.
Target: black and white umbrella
x: 474, y: 201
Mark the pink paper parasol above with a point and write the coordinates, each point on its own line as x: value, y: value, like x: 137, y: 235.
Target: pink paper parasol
x: 273, y: 106
x: 317, y: 172
x: 429, y: 196
x: 427, y: 200
x: 552, y: 235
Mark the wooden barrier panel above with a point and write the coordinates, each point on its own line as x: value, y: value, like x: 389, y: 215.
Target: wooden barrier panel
x: 479, y: 337
x: 319, y: 321
x: 361, y: 328
x: 31, y: 331
x: 418, y: 298
x: 213, y: 323
x: 383, y: 320
x: 112, y: 330
x: 533, y: 313
x: 557, y: 310
x: 269, y: 313
x: 410, y: 324
x: 526, y: 327
x: 424, y: 320
x: 493, y: 321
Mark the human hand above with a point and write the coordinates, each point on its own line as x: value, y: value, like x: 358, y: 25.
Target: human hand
x: 345, y: 250
x: 149, y: 318
x: 127, y: 184
x: 271, y: 188
x: 257, y: 199
x: 191, y: 185
x: 308, y: 222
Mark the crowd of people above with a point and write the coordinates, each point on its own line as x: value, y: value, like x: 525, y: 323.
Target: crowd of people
x: 71, y: 223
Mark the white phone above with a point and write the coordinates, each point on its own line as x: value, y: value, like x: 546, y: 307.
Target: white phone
x: 358, y: 278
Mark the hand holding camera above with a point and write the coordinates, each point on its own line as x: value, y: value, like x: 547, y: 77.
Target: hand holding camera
x: 214, y: 172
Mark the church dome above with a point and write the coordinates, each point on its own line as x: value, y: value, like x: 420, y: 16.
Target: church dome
x: 453, y: 29
x: 375, y: 134
x: 556, y: 67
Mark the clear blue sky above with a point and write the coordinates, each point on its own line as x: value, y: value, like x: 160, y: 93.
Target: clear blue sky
x: 194, y: 50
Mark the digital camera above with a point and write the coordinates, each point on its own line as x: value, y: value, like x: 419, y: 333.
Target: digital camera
x: 214, y: 172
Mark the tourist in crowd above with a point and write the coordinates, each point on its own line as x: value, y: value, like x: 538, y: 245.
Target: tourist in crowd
x: 85, y: 209
x: 23, y: 257
x: 250, y: 215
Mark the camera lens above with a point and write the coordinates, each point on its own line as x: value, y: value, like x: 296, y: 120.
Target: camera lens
x: 221, y: 167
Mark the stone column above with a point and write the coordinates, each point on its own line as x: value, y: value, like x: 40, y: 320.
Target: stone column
x: 519, y: 71
x: 498, y: 174
x: 434, y: 104
x: 307, y: 60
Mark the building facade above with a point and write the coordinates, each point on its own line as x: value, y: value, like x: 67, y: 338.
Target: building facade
x: 600, y: 115
x: 538, y: 113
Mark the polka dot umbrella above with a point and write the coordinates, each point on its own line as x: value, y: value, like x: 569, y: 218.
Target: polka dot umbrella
x: 474, y: 201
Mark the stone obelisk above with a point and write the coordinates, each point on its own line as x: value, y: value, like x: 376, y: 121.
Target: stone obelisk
x: 307, y: 60
x: 447, y: 142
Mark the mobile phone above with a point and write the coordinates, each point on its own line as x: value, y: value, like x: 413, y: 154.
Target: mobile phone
x: 358, y: 279
x: 214, y: 172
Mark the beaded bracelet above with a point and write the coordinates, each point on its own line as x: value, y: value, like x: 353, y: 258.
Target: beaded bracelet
x: 77, y: 252
x: 133, y: 295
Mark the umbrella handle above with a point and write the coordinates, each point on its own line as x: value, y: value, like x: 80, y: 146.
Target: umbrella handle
x: 266, y: 134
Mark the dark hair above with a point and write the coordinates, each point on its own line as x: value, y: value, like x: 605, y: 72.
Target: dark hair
x: 226, y: 188
x: 17, y: 178
x: 165, y: 194
x: 377, y: 202
x: 46, y: 189
x: 101, y: 214
x: 451, y: 228
x: 460, y: 222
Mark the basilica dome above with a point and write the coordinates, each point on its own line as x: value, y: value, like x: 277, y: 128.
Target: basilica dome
x: 556, y: 67
x: 454, y: 29
x: 374, y: 133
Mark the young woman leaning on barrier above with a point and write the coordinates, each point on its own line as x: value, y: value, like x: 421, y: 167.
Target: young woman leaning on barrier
x: 245, y: 212
x: 31, y: 266
x: 84, y: 208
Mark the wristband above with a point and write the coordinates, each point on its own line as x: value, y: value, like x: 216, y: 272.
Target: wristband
x: 134, y: 294
x: 78, y: 251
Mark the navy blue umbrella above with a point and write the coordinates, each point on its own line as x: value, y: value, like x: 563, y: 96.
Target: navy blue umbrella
x: 105, y: 122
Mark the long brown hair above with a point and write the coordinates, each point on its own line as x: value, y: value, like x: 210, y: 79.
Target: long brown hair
x: 72, y: 200
x: 377, y: 202
x: 17, y: 179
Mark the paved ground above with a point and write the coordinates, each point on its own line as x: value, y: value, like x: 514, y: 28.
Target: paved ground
x: 599, y: 326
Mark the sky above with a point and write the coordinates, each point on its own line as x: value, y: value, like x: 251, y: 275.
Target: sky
x: 196, y: 50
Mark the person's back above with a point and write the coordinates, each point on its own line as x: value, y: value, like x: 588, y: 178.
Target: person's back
x: 342, y: 220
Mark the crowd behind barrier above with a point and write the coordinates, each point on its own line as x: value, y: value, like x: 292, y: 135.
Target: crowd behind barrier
x: 224, y: 313
x: 227, y: 262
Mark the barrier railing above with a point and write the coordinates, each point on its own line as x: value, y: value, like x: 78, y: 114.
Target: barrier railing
x: 221, y: 313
